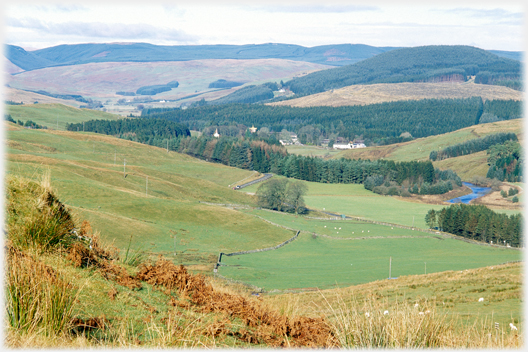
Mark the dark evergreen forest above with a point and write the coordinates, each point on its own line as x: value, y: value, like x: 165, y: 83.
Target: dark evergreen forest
x: 418, y: 64
x: 376, y: 123
x: 506, y: 162
x: 479, y: 223
x: 472, y: 146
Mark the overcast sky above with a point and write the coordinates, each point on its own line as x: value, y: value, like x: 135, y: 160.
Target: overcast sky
x: 485, y: 24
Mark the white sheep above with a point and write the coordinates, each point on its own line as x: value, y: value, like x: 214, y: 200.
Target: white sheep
x: 367, y: 314
x: 386, y: 312
x: 513, y: 327
x: 481, y: 299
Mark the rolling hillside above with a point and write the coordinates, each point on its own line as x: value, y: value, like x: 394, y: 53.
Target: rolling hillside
x: 76, y: 54
x: 465, y: 166
x: 103, y: 80
x: 384, y: 92
x: 418, y: 64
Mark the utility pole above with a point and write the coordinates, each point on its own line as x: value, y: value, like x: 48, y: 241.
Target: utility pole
x: 390, y: 267
x: 83, y: 126
x: 124, y: 168
x: 413, y: 221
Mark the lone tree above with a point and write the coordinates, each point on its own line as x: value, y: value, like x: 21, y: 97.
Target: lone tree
x: 272, y: 194
x: 282, y: 195
x: 430, y: 218
x: 295, y: 194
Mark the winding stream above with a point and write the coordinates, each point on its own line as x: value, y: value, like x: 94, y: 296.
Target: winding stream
x: 477, y: 192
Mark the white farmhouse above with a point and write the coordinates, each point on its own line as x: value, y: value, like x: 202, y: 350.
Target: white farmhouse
x: 342, y: 146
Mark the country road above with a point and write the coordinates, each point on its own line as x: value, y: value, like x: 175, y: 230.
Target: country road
x: 263, y: 178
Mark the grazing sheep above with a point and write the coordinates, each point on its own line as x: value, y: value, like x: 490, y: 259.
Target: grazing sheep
x: 513, y: 327
x: 481, y: 299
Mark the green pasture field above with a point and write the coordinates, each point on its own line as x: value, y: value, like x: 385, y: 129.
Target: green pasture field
x: 354, y: 200
x: 308, y: 150
x: 47, y: 114
x: 318, y: 262
x: 166, y: 215
x: 334, y: 228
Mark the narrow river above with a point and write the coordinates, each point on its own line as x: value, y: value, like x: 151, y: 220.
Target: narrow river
x: 477, y: 193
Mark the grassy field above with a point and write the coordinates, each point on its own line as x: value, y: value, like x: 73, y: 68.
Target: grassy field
x: 355, y: 200
x: 165, y: 215
x: 450, y: 292
x: 323, y: 263
x: 49, y: 114
x: 307, y: 150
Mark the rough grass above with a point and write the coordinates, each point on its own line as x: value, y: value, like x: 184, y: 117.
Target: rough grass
x: 454, y: 294
x: 382, y: 92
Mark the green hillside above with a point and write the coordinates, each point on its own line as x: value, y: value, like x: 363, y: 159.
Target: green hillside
x: 164, y: 214
x: 55, y: 116
x: 418, y: 64
x: 419, y: 149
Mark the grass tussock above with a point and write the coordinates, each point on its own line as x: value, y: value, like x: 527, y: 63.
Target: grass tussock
x: 38, y: 298
x: 36, y: 218
x: 372, y: 324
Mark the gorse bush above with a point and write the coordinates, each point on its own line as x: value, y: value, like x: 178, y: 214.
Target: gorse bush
x: 35, y: 217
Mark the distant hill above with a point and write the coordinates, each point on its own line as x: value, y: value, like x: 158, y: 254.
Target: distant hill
x: 334, y: 55
x: 383, y: 92
x: 419, y: 64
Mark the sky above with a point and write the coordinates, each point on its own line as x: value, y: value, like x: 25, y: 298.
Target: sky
x: 492, y: 25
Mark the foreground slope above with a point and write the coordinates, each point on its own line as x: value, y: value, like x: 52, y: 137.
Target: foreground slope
x: 157, y: 200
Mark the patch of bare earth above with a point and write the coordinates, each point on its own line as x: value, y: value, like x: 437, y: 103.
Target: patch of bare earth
x: 496, y: 200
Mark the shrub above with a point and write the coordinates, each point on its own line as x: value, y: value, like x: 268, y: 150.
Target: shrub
x: 35, y: 217
x: 504, y: 194
x: 515, y: 199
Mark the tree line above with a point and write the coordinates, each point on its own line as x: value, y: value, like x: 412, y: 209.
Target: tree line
x: 406, y: 177
x: 479, y: 223
x: 506, y: 162
x: 152, y: 132
x: 472, y: 146
x: 373, y: 123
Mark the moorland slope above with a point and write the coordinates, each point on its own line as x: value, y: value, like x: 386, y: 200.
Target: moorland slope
x: 385, y: 92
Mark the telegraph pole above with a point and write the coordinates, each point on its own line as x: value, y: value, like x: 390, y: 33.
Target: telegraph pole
x: 83, y: 126
x: 124, y: 168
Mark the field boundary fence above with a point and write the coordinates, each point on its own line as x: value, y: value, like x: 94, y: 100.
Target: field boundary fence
x: 219, y: 262
x: 432, y: 232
